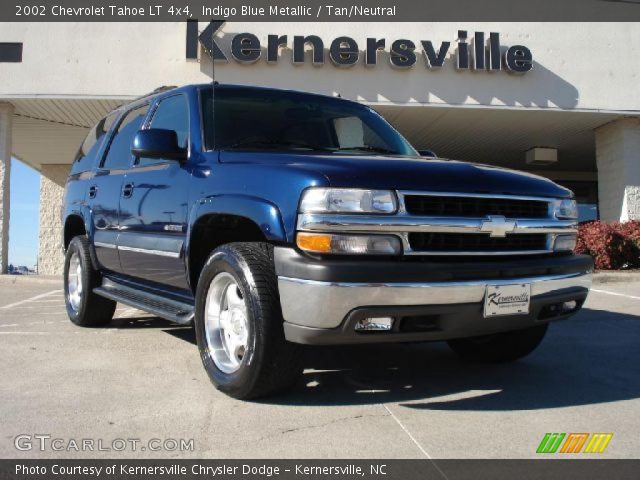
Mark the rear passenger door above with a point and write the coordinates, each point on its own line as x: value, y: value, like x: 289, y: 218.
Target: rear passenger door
x: 83, y: 167
x: 105, y: 189
x: 153, y: 213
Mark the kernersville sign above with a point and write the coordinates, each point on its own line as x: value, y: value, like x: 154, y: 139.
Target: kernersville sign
x: 476, y: 51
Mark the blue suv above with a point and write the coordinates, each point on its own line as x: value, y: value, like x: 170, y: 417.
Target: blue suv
x: 271, y: 219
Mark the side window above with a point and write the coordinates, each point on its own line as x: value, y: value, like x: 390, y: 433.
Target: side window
x: 119, y: 154
x: 172, y: 113
x: 89, y: 149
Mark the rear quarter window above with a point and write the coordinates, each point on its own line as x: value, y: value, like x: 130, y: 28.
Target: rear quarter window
x: 86, y: 156
x: 118, y: 155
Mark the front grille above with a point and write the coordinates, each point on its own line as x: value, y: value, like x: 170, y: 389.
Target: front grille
x: 460, y: 242
x: 476, y: 207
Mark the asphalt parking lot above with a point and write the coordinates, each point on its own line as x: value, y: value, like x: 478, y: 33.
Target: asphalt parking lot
x: 141, y: 379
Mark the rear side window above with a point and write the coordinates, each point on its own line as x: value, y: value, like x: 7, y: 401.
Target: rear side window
x: 85, y: 158
x: 119, y: 154
x: 172, y: 113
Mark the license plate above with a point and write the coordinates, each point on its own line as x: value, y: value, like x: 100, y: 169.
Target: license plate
x: 507, y: 300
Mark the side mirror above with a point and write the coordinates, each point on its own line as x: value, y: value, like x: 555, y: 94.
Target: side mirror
x: 158, y: 143
x: 427, y: 153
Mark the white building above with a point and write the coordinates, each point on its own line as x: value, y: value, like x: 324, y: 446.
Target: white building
x: 580, y: 101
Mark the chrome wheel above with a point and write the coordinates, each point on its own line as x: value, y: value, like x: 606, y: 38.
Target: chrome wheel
x: 74, y: 282
x: 226, y: 323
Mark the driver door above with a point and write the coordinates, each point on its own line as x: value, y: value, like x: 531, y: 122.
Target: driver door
x: 153, y: 208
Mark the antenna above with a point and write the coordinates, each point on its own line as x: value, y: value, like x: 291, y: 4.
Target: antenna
x: 213, y: 87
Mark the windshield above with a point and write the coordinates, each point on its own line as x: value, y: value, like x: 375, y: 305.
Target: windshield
x: 267, y: 120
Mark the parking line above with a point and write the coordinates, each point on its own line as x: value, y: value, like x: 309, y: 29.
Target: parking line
x: 424, y: 452
x: 102, y: 331
x: 34, y: 305
x: 25, y: 333
x: 633, y: 297
x: 30, y: 299
x: 407, y: 432
x: 413, y: 439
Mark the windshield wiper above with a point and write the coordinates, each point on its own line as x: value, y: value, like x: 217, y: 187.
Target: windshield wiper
x: 272, y: 144
x: 366, y: 148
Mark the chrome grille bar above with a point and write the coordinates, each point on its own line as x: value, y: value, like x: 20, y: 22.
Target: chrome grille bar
x: 318, y: 222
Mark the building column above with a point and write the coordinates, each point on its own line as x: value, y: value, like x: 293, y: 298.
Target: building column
x: 6, y: 113
x: 618, y: 159
x: 52, y: 181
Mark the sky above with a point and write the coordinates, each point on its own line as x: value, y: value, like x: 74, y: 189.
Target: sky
x: 24, y: 221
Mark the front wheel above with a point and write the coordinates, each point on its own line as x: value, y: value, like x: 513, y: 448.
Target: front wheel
x: 239, y: 323
x: 500, y: 347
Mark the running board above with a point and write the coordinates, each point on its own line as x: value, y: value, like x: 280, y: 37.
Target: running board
x: 173, y: 310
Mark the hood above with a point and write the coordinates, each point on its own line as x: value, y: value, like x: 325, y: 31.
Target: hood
x: 399, y: 173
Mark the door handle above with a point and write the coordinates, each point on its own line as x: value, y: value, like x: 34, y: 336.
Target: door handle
x: 93, y: 191
x: 127, y: 190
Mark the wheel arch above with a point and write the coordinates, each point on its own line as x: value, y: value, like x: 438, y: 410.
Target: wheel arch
x: 225, y: 219
x: 74, y: 225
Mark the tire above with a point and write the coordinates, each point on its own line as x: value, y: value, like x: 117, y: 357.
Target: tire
x: 85, y: 308
x: 500, y: 347
x: 239, y: 325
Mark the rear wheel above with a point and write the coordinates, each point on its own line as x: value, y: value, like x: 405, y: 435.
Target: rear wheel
x: 84, y: 307
x: 500, y: 347
x: 239, y: 323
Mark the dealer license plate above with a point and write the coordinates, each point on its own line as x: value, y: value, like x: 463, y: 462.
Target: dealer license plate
x: 507, y: 300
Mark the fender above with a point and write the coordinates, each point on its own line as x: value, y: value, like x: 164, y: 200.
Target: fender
x: 262, y: 212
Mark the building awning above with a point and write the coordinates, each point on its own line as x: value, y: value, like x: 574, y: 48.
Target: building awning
x: 50, y: 130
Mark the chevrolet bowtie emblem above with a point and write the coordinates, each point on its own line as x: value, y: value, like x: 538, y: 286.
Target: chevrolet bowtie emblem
x: 497, y: 226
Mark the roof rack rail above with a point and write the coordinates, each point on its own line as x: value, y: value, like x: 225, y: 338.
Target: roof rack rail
x: 164, y: 88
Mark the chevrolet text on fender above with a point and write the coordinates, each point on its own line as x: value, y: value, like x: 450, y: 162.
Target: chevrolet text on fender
x: 476, y: 51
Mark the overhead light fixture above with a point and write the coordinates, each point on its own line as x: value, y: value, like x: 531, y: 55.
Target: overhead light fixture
x: 541, y: 156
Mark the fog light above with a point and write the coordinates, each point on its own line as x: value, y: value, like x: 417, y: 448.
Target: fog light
x: 569, y: 306
x: 374, y: 324
x: 565, y: 243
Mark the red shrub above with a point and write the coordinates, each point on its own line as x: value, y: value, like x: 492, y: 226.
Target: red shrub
x: 612, y: 245
x: 631, y: 230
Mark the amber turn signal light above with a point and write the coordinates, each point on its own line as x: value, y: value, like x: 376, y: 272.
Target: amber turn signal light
x: 348, y: 244
x: 314, y: 242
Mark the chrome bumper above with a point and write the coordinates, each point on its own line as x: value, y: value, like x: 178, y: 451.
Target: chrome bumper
x: 319, y: 304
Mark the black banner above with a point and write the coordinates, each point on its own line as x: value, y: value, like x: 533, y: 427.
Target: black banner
x: 319, y: 469
x: 319, y: 10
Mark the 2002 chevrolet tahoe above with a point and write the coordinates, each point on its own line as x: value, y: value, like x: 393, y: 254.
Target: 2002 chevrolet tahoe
x: 279, y: 218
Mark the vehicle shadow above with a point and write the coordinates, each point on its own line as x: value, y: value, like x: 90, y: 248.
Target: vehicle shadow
x: 142, y: 322
x: 591, y: 358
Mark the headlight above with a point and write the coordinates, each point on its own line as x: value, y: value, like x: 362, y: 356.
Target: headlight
x: 347, y: 200
x: 565, y: 209
x: 348, y: 244
x: 565, y: 243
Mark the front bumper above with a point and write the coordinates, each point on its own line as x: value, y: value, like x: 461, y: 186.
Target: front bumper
x: 323, y: 300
